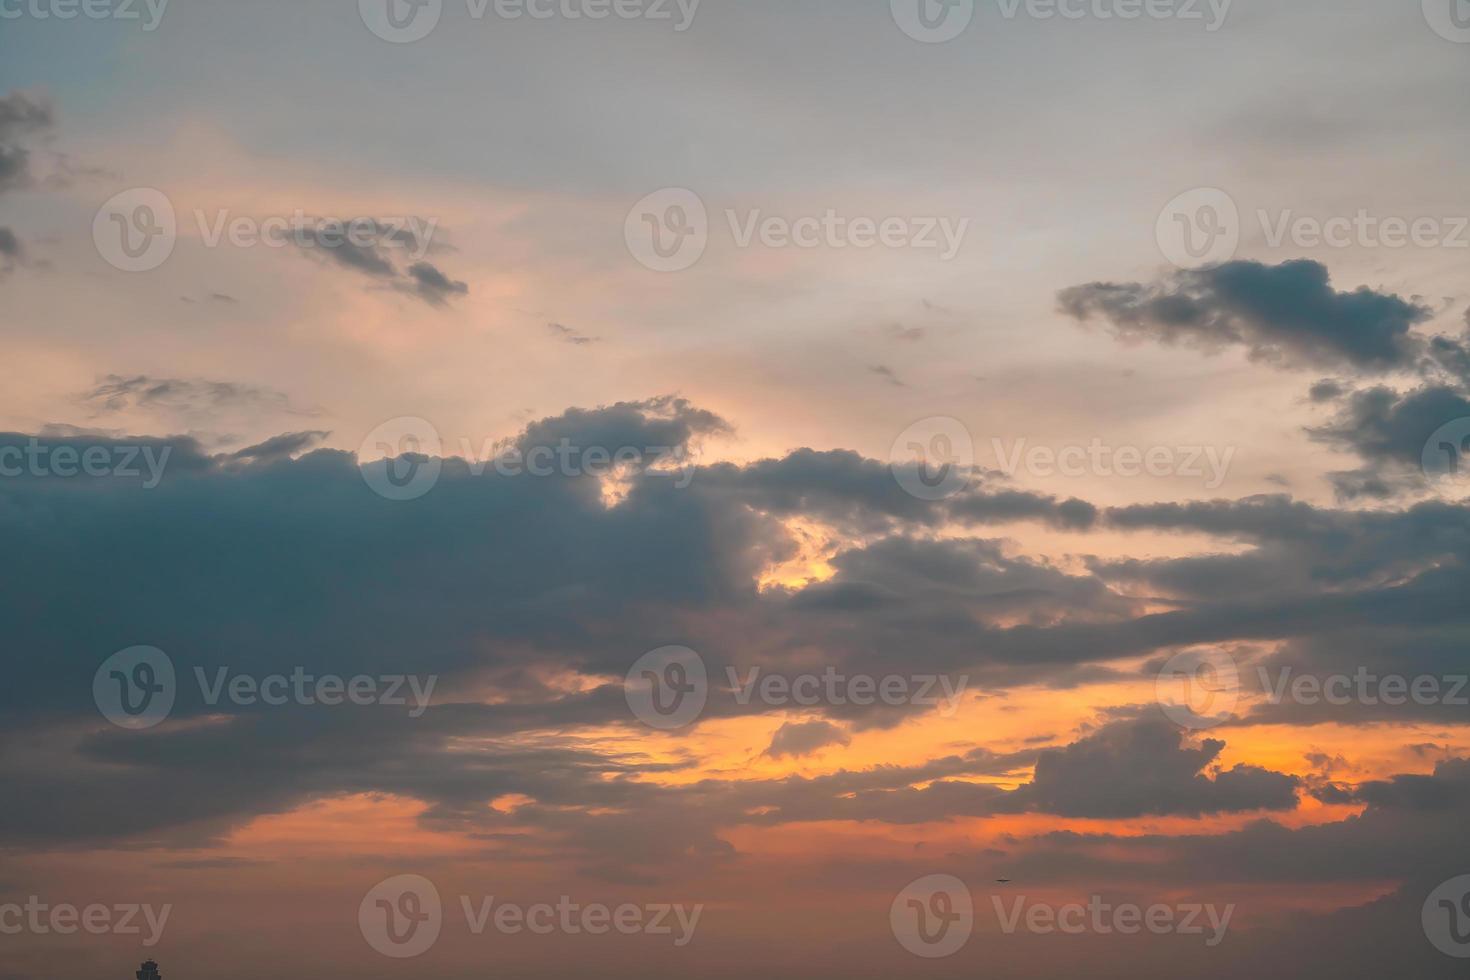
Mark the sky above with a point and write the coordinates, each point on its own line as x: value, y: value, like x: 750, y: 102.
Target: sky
x: 941, y: 488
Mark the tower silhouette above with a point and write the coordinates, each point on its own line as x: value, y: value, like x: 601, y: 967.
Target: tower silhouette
x: 149, y: 972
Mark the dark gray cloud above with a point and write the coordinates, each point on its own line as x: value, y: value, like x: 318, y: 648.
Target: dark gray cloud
x: 434, y: 286
x: 11, y: 251
x: 569, y: 335
x: 191, y: 399
x: 1391, y: 431
x: 265, y: 560
x: 888, y: 374
x: 1327, y: 391
x: 367, y: 259
x: 1290, y: 315
x: 1287, y: 314
x: 22, y: 116
x: 280, y: 447
x: 1144, y: 768
x: 805, y: 737
x: 376, y: 259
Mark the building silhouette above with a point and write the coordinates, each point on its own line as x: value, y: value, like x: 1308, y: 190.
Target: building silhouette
x: 148, y: 972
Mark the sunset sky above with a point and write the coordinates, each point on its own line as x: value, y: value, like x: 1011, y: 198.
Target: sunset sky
x: 1096, y: 380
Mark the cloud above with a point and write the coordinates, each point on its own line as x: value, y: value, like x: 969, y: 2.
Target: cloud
x: 280, y: 447
x: 1290, y: 315
x: 187, y: 398
x: 1327, y: 391
x: 1287, y: 314
x: 22, y: 115
x: 1391, y: 431
x: 805, y: 738
x: 376, y: 259
x: 569, y: 335
x: 434, y: 286
x: 887, y: 374
x: 1144, y: 768
x: 11, y: 251
x: 257, y: 562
